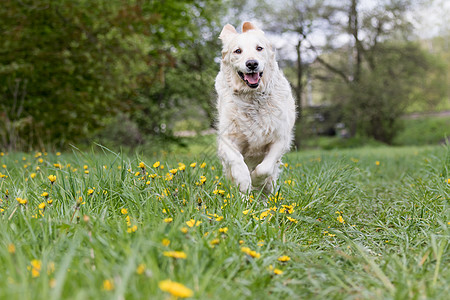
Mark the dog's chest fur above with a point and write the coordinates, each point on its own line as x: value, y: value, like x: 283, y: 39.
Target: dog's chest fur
x: 257, y: 120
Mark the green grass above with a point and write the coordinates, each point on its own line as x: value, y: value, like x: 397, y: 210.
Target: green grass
x: 357, y: 229
x: 431, y: 130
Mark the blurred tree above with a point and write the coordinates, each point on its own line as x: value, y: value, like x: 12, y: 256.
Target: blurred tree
x: 67, y: 66
x: 382, y: 77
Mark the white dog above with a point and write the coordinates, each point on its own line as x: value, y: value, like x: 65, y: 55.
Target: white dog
x: 256, y: 109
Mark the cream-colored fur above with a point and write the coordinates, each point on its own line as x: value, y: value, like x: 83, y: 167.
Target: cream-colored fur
x: 255, y: 119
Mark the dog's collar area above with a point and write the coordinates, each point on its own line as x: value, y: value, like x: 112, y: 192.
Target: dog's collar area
x: 251, y: 79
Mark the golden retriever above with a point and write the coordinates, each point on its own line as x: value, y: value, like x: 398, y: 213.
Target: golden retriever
x: 256, y: 109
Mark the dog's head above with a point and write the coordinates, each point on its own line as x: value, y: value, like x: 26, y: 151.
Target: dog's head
x: 248, y: 54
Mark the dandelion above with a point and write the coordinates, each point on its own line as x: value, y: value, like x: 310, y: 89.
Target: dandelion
x: 168, y: 220
x: 152, y: 176
x: 203, y: 165
x: 156, y: 164
x: 108, y: 285
x: 35, y: 268
x: 52, y: 178
x: 175, y: 289
x: 292, y: 219
x: 165, y: 242
x: 175, y: 254
x: 192, y: 222
x: 250, y: 252
x: 181, y: 166
x: 57, y: 165
x: 11, y: 248
x: 340, y: 219
x: 22, y: 201
x: 223, y: 230
x: 85, y: 167
x: 44, y: 194
x: 284, y: 258
x: 90, y: 191
x: 448, y: 180
x: 132, y: 229
x: 377, y: 163
x: 33, y: 175
x: 184, y: 230
x: 193, y: 165
x: 246, y: 211
x: 275, y: 270
x: 173, y: 171
x: 142, y: 165
x: 124, y: 211
x: 42, y: 205
x: 140, y: 269
x: 169, y: 177
x: 214, y: 242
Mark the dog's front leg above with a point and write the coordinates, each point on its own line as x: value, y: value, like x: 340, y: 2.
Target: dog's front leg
x: 266, y: 173
x: 233, y: 163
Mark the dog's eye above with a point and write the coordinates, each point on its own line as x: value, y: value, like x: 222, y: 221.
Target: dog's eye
x: 238, y: 51
x: 259, y: 48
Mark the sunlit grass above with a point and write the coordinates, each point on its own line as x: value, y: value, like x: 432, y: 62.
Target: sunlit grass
x: 367, y: 223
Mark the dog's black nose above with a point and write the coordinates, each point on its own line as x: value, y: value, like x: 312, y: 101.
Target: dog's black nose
x: 252, y: 64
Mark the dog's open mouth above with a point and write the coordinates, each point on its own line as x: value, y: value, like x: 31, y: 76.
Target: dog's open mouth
x: 251, y: 79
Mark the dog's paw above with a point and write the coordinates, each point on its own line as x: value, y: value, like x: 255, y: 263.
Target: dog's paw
x: 241, y: 177
x: 260, y: 174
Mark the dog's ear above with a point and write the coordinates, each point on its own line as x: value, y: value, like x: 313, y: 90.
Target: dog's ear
x: 227, y: 32
x: 249, y: 26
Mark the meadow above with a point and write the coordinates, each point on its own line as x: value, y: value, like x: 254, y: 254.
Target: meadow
x: 367, y: 223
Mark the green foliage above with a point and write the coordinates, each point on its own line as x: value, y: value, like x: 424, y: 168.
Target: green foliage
x: 66, y: 65
x: 361, y: 223
x: 424, y: 131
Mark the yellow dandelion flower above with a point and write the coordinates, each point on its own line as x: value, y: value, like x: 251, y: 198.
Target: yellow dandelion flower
x: 140, y: 269
x: 275, y: 270
x: 340, y: 219
x: 33, y: 175
x: 124, y: 211
x: 203, y: 165
x: 42, y: 205
x: 173, y: 171
x: 223, y: 230
x: 168, y: 220
x: 90, y: 191
x: 292, y: 219
x: 44, y: 194
x: 175, y: 289
x: 250, y: 252
x: 165, y: 242
x: 108, y: 285
x: 142, y: 165
x: 35, y: 268
x: 132, y: 229
x: 246, y: 211
x: 152, y: 176
x: 156, y: 164
x: 11, y: 248
x: 175, y: 254
x: 52, y: 178
x: 377, y: 163
x: 218, y: 219
x: 181, y: 166
x: 284, y: 258
x: 260, y: 243
x: 214, y: 242
x: 190, y: 223
x: 85, y: 167
x: 193, y: 165
x: 184, y: 230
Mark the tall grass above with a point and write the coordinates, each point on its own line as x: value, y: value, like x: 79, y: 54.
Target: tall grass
x: 361, y: 223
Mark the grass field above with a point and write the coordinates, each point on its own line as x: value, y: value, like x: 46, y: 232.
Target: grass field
x: 370, y: 223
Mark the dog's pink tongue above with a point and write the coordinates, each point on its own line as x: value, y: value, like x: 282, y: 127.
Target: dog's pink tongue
x: 252, y: 78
